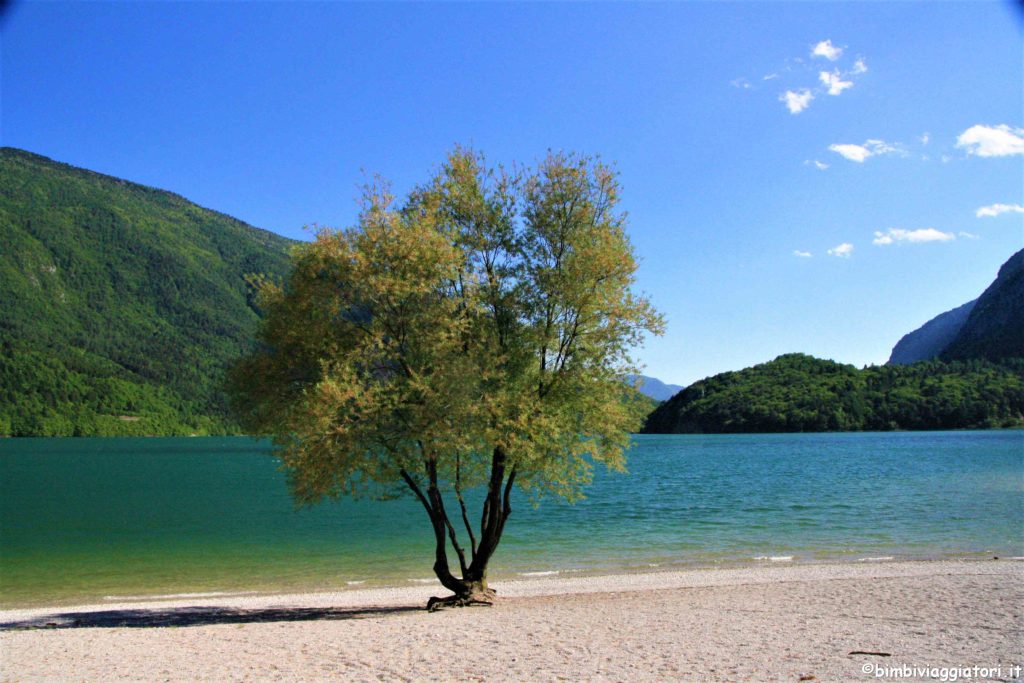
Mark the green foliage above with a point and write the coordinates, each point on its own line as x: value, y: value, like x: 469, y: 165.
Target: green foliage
x: 479, y: 334
x: 798, y: 393
x: 490, y: 310
x: 122, y: 304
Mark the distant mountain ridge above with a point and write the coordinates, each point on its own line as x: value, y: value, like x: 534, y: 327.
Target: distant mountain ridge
x: 653, y: 387
x: 932, y: 338
x: 995, y: 328
x: 990, y: 327
x: 120, y: 304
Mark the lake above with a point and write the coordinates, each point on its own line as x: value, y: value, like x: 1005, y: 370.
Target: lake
x: 107, y: 519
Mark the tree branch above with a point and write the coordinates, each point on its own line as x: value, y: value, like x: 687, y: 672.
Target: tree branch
x: 416, y: 489
x: 437, y: 503
x: 506, y: 509
x: 462, y: 503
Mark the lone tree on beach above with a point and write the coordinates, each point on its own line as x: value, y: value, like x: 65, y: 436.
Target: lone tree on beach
x: 475, y: 335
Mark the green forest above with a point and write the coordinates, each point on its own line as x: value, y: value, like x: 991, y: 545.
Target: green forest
x: 800, y: 393
x: 122, y: 305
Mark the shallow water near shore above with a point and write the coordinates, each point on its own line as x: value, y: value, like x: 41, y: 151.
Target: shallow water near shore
x: 117, y: 519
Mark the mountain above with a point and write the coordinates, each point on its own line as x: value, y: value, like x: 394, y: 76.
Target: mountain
x: 990, y: 327
x: 654, y: 388
x: 799, y: 393
x: 932, y: 338
x: 995, y: 328
x: 120, y: 305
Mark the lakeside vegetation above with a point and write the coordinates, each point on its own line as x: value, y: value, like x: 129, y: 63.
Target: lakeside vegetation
x: 800, y: 393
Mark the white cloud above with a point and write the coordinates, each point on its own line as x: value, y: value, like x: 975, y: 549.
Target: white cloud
x: 859, y: 67
x: 834, y: 81
x: 852, y: 152
x: 968, y: 235
x: 994, y: 210
x: 896, y: 235
x: 992, y: 141
x: 925, y: 138
x: 817, y: 164
x: 796, y: 102
x: 740, y: 83
x: 827, y: 50
x: 802, y: 254
x: 770, y: 77
x: 858, y: 153
x: 842, y: 250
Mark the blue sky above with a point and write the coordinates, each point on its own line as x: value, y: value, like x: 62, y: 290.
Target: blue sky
x: 752, y: 139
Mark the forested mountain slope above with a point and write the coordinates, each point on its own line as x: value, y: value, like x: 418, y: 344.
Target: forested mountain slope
x: 120, y: 305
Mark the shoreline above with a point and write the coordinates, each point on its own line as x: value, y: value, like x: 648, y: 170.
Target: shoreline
x: 837, y: 622
x: 540, y: 584
x: 621, y: 573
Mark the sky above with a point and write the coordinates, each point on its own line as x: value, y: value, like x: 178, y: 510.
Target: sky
x: 809, y: 177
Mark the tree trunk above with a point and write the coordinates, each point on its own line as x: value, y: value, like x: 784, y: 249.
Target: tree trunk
x: 471, y: 588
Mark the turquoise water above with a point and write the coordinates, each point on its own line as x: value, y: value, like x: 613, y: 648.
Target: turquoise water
x: 94, y: 519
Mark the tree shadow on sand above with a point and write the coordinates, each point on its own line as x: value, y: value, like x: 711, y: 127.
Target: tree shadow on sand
x: 196, y: 616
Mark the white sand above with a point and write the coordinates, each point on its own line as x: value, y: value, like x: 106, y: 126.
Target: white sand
x: 776, y: 622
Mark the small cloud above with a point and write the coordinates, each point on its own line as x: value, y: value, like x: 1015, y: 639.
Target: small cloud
x: 897, y: 235
x: 871, y: 148
x: 968, y: 235
x: 770, y: 77
x: 842, y: 251
x: 925, y: 138
x: 852, y: 152
x: 740, y: 83
x: 802, y: 254
x: 859, y: 67
x: 834, y: 81
x: 992, y: 141
x: 994, y: 210
x: 817, y: 164
x: 883, y: 147
x: 827, y: 50
x: 796, y: 101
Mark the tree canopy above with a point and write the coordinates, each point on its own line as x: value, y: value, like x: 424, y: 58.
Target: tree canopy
x: 476, y: 334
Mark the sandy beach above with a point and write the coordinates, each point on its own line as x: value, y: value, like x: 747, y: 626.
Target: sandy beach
x: 785, y: 623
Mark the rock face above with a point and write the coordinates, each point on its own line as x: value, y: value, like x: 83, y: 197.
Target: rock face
x: 990, y: 327
x: 995, y: 328
x: 932, y: 338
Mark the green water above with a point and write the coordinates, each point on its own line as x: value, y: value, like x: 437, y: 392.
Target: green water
x: 95, y: 519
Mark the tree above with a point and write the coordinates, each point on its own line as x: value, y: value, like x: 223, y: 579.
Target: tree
x: 476, y: 336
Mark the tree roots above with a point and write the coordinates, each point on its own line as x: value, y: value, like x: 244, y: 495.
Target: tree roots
x: 481, y: 598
